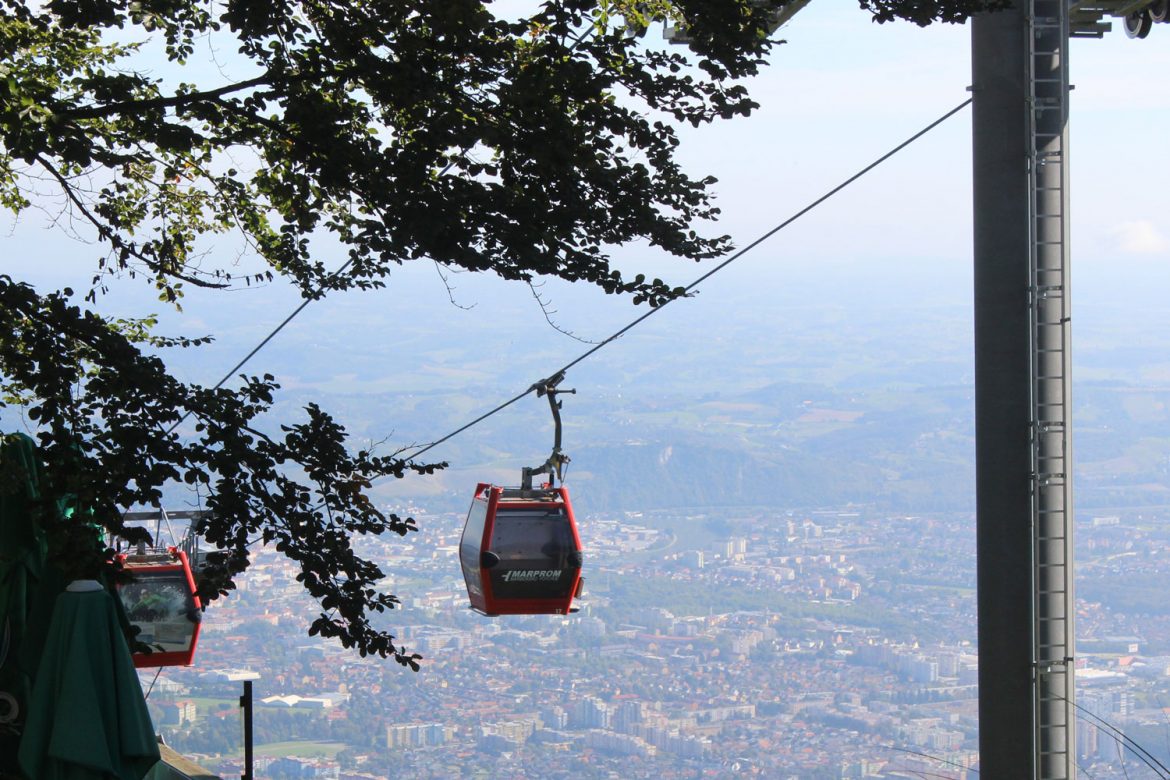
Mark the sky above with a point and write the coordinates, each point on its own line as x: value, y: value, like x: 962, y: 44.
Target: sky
x: 839, y: 93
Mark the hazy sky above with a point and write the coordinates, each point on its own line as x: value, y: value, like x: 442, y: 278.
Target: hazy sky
x: 843, y: 89
x: 839, y: 93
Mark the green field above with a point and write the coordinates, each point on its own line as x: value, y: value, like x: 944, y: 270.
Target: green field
x: 208, y: 704
x: 301, y: 749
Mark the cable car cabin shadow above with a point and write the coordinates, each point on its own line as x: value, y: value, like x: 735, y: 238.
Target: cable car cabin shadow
x: 520, y: 552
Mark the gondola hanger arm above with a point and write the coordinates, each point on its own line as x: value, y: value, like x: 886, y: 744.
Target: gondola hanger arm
x: 554, y: 466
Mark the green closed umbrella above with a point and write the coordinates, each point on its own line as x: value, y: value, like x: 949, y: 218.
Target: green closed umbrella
x: 22, y: 572
x: 87, y: 718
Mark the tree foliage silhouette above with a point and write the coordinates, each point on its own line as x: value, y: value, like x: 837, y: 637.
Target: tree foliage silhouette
x: 524, y: 146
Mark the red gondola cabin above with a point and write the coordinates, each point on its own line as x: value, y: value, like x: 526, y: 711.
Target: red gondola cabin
x: 161, y: 603
x: 520, y: 551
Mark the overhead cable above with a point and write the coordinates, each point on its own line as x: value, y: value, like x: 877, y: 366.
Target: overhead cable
x: 271, y: 335
x: 1123, y: 741
x: 690, y: 287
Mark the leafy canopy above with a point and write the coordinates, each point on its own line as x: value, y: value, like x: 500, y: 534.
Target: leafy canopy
x: 386, y: 131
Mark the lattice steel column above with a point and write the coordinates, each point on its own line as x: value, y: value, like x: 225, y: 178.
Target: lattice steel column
x: 1052, y: 508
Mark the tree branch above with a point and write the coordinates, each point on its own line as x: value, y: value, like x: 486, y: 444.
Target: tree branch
x: 450, y: 289
x: 97, y: 112
x: 116, y: 241
x: 238, y: 110
x: 548, y: 312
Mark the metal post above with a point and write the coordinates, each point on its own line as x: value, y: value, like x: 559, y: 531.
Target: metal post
x: 1051, y: 392
x: 999, y: 48
x: 246, y: 706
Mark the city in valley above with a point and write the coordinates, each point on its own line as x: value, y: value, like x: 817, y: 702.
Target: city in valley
x: 779, y: 535
x: 832, y: 643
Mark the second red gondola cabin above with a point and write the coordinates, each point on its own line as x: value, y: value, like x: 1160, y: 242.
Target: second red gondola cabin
x: 161, y: 602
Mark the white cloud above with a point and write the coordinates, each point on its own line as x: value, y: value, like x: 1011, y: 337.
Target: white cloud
x: 1141, y: 237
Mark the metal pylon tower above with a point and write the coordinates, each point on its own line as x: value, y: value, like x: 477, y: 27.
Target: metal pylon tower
x: 1050, y: 427
x: 1023, y: 453
x: 1024, y: 515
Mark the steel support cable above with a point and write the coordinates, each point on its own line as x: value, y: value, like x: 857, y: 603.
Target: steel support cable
x: 316, y: 294
x: 1123, y: 741
x: 686, y: 290
x: 272, y: 334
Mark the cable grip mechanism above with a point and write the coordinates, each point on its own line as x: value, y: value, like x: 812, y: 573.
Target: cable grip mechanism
x: 554, y: 466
